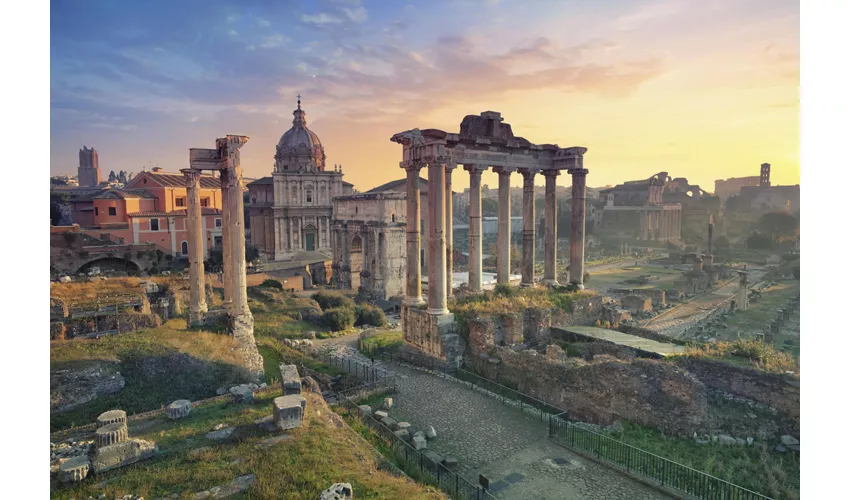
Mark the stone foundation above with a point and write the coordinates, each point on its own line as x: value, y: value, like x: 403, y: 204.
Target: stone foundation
x: 122, y: 454
x: 242, y: 327
x: 432, y: 335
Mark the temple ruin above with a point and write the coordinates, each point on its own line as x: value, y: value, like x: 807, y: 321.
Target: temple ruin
x: 225, y: 160
x: 483, y: 142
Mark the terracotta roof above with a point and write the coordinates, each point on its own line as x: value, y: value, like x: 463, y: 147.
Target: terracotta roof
x: 169, y: 179
x: 123, y: 194
x: 151, y: 213
x: 261, y: 181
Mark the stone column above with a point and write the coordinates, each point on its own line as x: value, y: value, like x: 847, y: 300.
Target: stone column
x: 197, y: 294
x: 577, y: 226
x: 474, y: 226
x: 413, y: 290
x: 527, y: 227
x: 503, y: 257
x: 345, y: 269
x: 436, y: 237
x: 449, y: 229
x: 226, y: 262
x: 550, y: 236
x: 236, y: 207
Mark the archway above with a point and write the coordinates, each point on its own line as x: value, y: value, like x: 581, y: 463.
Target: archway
x: 110, y: 264
x: 356, y: 252
x: 184, y: 248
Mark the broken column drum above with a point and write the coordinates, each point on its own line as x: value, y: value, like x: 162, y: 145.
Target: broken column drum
x: 290, y: 380
x: 111, y: 434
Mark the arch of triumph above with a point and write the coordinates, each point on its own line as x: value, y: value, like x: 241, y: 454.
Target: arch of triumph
x: 483, y: 142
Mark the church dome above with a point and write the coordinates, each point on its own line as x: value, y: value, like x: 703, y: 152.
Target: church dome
x: 299, y: 149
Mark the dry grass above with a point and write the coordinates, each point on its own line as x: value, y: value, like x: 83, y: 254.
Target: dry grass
x: 756, y: 354
x: 86, y: 291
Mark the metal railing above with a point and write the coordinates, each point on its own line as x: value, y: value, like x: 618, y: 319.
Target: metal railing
x: 665, y: 472
x: 415, y: 463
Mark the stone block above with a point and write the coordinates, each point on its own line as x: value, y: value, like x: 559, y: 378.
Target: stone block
x: 74, y: 469
x: 419, y: 442
x: 111, y: 417
x: 387, y: 403
x: 402, y: 434
x: 380, y: 415
x: 122, y: 454
x: 434, y: 459
x: 290, y: 380
x: 111, y: 434
x: 339, y: 491
x: 450, y: 463
x: 788, y: 440
x: 390, y: 423
x: 366, y: 410
x: 220, y: 434
x: 242, y: 393
x: 723, y: 439
x: 179, y: 409
x: 288, y: 411
x: 402, y: 426
x: 430, y: 433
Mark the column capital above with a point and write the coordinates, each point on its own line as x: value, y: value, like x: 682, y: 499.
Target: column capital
x: 193, y: 177
x: 578, y: 172
x: 504, y: 170
x: 550, y: 173
x: 474, y: 168
x: 412, y: 165
x: 527, y: 174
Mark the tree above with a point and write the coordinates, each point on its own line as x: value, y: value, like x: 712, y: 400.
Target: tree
x: 759, y: 241
x: 112, y: 176
x: 779, y: 226
x: 122, y: 177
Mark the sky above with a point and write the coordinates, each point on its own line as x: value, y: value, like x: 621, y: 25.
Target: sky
x: 703, y: 90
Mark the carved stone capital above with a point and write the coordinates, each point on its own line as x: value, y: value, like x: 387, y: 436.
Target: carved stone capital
x: 527, y: 174
x: 193, y: 177
x: 578, y: 172
x: 550, y: 173
x: 413, y: 165
x: 504, y: 170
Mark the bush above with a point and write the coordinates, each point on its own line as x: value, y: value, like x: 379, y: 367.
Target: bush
x: 340, y: 318
x: 367, y: 314
x: 272, y: 284
x: 586, y: 277
x: 328, y: 300
x: 504, y: 290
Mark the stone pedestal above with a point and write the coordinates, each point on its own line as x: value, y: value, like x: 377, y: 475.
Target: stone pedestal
x: 179, y: 409
x: 112, y: 417
x: 288, y: 411
x: 74, y: 469
x: 432, y: 335
x: 290, y: 380
x: 111, y: 434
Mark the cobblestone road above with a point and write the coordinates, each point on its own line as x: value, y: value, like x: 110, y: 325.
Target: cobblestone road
x: 508, y: 446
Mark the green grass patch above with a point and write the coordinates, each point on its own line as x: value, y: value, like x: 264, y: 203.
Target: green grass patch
x: 319, y: 454
x: 390, y: 341
x: 771, y: 474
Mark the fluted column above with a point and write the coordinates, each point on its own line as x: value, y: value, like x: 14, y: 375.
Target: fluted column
x: 449, y: 229
x: 436, y: 236
x: 577, y: 227
x: 550, y: 236
x: 503, y: 254
x: 236, y: 208
x: 226, y: 256
x: 197, y: 298
x: 474, y: 226
x: 413, y: 291
x: 527, y: 227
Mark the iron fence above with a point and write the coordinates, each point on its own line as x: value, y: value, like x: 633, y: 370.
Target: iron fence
x: 508, y: 396
x: 665, y: 472
x: 416, y: 463
x: 368, y: 373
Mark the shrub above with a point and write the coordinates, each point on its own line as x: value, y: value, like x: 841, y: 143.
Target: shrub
x: 504, y: 290
x: 328, y: 300
x: 272, y: 284
x: 367, y: 314
x: 340, y: 318
x: 586, y: 277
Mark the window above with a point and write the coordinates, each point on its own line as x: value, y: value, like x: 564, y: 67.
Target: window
x: 205, y: 202
x: 309, y: 196
x: 112, y: 211
x: 184, y: 248
x: 154, y: 224
x: 218, y: 241
x: 393, y: 217
x: 96, y: 211
x: 180, y: 202
x: 218, y: 223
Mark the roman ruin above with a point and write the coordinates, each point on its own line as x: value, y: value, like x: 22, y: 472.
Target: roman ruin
x: 483, y: 142
x: 224, y: 159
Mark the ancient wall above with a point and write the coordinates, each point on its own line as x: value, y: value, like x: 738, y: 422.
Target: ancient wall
x: 647, y: 392
x: 779, y: 391
x: 434, y: 336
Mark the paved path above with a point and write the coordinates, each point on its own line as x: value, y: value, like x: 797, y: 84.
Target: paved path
x: 508, y: 446
x: 633, y: 341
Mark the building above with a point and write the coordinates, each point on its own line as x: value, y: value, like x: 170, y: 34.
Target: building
x: 369, y: 232
x: 303, y: 191
x: 766, y: 198
x: 151, y: 208
x: 637, y: 210
x: 727, y: 188
x: 88, y: 173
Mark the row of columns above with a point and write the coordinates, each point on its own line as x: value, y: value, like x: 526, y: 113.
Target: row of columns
x: 439, y: 244
x: 233, y: 238
x: 662, y: 224
x: 290, y: 237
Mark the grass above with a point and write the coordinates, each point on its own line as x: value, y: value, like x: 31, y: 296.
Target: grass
x: 614, y: 277
x: 319, y: 454
x: 390, y: 341
x: 748, y: 352
x: 771, y: 474
x: 87, y: 291
x: 761, y: 313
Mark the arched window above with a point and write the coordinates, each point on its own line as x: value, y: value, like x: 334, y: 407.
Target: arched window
x: 184, y: 248
x: 356, y: 244
x: 309, y: 195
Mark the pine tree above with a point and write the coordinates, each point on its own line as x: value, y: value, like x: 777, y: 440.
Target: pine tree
x: 122, y: 177
x: 111, y: 176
